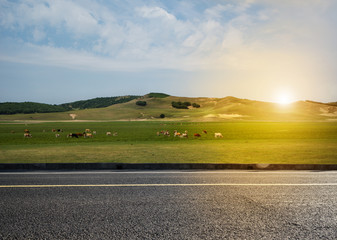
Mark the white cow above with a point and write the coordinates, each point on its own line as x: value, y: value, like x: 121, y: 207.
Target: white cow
x: 218, y: 135
x: 88, y: 135
x: 27, y: 135
x: 184, y: 135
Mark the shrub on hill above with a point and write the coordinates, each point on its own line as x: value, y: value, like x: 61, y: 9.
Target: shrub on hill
x: 157, y: 95
x: 179, y: 105
x: 184, y: 105
x: 162, y: 115
x: 141, y: 103
x: 195, y: 105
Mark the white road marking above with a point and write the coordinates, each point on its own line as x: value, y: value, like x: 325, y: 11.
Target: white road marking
x: 169, y: 185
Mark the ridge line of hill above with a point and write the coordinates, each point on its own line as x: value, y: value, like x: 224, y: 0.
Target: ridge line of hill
x: 7, y: 108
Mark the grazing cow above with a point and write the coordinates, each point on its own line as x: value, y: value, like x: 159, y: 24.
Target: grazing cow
x: 184, y: 135
x: 27, y: 135
x: 53, y: 130
x: 12, y: 131
x: 72, y: 135
x: 86, y: 135
x: 197, y: 135
x: 108, y: 133
x: 57, y: 135
x: 87, y: 130
x: 204, y: 131
x: 26, y: 131
x: 165, y: 133
x: 176, y: 133
x: 115, y: 134
x: 93, y: 132
x: 218, y: 135
x: 59, y: 130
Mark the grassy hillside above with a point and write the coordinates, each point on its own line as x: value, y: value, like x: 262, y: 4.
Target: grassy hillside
x: 211, y: 109
x: 98, y: 102
x: 32, y: 107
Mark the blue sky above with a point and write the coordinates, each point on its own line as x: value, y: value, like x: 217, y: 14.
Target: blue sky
x: 61, y: 51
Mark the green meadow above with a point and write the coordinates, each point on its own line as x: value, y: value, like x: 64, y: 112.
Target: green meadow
x: 137, y: 142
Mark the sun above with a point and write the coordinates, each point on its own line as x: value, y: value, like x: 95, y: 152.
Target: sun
x: 284, y: 98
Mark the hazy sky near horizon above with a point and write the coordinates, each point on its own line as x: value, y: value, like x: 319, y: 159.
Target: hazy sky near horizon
x: 67, y: 50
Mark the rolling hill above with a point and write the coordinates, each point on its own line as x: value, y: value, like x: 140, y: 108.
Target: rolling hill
x: 32, y: 107
x: 211, y: 109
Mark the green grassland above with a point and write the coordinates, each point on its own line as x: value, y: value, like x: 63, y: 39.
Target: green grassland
x: 137, y: 142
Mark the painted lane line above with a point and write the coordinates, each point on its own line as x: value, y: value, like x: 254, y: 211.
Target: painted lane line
x: 169, y: 185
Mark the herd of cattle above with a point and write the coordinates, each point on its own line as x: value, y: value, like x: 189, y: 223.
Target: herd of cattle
x: 185, y: 134
x: 89, y: 134
x: 86, y: 134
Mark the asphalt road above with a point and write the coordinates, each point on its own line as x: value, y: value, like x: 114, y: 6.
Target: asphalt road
x: 168, y: 205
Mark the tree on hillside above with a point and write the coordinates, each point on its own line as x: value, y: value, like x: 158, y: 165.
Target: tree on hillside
x: 195, y: 105
x: 141, y: 103
x: 179, y: 105
x: 184, y: 105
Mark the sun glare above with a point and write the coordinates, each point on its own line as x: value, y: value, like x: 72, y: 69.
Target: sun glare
x: 284, y: 99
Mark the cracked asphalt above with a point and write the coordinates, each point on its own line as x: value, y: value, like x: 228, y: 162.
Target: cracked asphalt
x: 164, y: 205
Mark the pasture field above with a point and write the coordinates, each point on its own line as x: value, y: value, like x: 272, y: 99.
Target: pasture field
x: 137, y: 142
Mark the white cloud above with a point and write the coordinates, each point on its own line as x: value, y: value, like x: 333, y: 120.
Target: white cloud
x: 38, y: 35
x: 155, y: 12
x: 151, y: 36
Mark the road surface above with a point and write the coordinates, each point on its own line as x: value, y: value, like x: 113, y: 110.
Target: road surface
x: 168, y: 205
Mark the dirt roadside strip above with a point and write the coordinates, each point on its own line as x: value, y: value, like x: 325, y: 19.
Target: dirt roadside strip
x: 162, y: 166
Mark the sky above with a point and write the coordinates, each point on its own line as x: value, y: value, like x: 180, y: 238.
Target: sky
x: 67, y: 50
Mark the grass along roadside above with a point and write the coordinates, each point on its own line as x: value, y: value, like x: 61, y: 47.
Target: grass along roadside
x: 284, y: 151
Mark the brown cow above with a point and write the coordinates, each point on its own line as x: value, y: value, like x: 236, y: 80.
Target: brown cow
x: 197, y: 135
